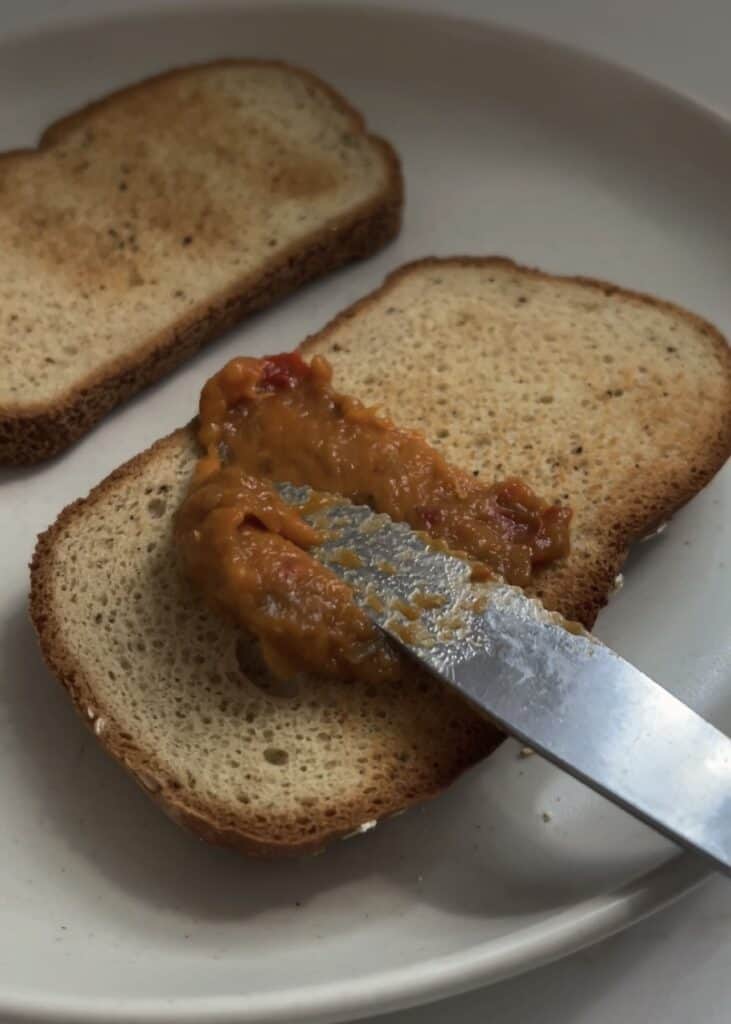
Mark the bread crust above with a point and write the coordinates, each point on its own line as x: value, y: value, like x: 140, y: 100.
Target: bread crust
x: 31, y: 432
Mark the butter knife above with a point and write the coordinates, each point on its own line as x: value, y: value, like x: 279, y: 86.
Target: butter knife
x: 559, y: 690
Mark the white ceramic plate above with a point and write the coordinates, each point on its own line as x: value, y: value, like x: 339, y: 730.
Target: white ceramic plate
x: 107, y: 911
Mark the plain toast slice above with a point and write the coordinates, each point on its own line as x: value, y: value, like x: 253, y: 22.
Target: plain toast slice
x: 618, y: 404
x: 149, y: 222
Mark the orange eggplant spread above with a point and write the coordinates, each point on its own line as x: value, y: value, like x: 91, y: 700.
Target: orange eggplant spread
x: 279, y: 419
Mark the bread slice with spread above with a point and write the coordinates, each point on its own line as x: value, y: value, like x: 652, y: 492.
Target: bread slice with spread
x: 614, y: 403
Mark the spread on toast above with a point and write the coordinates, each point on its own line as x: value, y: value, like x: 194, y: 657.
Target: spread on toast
x: 280, y: 419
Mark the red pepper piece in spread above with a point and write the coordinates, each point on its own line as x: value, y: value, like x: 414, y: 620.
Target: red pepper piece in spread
x: 283, y: 371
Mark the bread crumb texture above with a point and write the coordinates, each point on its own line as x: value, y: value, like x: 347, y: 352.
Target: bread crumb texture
x: 150, y: 221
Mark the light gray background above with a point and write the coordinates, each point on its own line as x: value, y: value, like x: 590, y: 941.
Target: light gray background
x: 674, y: 967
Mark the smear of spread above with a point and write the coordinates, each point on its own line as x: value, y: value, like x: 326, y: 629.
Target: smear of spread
x: 280, y: 419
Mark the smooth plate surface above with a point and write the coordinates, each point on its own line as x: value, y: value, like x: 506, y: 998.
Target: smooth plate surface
x: 510, y: 145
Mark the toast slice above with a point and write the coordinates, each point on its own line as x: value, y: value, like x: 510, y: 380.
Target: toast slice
x: 149, y: 222
x: 615, y: 402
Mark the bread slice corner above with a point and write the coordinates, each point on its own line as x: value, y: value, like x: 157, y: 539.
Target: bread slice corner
x: 613, y: 402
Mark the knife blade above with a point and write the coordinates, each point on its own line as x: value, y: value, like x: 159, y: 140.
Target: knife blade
x: 555, y: 687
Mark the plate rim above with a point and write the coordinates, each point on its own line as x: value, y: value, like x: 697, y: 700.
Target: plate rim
x: 438, y: 977
x: 383, y: 991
